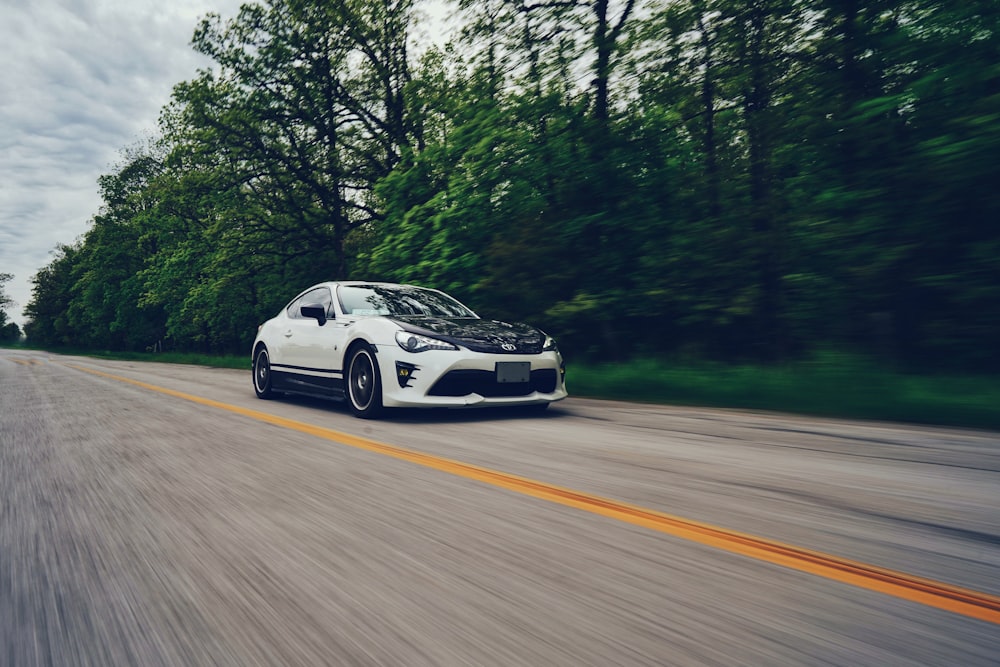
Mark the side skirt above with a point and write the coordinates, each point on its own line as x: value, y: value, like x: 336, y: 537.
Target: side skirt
x: 323, y: 386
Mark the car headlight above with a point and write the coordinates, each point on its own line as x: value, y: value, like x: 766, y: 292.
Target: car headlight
x: 412, y: 342
x: 550, y: 344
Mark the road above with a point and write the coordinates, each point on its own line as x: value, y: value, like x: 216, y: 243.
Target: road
x: 155, y: 514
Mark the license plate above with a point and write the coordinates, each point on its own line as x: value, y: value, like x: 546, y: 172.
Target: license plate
x: 513, y: 371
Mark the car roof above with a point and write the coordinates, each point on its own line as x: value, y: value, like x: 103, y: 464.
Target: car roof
x: 378, y: 283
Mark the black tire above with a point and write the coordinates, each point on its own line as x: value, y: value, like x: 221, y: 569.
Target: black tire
x: 364, y: 384
x: 262, y: 374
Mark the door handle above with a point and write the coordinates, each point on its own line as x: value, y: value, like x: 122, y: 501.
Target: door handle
x: 288, y: 334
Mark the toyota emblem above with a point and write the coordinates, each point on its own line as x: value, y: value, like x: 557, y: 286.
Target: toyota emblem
x: 509, y: 347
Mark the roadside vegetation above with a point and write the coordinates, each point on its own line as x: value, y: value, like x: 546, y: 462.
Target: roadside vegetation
x: 743, y: 182
x: 829, y: 385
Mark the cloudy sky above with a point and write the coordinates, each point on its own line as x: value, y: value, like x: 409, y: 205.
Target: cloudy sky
x: 80, y: 81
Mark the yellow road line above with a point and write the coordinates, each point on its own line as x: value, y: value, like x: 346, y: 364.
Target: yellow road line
x: 967, y: 602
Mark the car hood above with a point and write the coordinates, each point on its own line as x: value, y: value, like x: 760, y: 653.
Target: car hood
x: 476, y: 334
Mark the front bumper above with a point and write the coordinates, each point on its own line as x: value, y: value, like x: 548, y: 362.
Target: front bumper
x: 448, y: 378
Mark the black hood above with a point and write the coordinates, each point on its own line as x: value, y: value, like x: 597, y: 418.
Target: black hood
x: 476, y: 334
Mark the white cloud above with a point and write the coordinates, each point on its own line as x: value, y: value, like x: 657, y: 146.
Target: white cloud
x: 81, y: 80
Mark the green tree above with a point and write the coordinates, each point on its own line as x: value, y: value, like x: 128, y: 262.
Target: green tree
x: 307, y: 111
x: 51, y: 298
x: 105, y: 312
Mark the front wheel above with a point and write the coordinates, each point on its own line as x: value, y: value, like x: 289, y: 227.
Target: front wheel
x: 262, y: 374
x: 364, y: 384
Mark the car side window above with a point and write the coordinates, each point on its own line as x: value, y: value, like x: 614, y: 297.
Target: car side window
x: 293, y: 309
x: 320, y: 295
x: 324, y: 297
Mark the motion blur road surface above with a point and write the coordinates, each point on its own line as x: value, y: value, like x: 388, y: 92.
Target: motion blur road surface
x: 139, y: 527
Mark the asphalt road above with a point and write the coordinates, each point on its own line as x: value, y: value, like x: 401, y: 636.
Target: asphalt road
x: 139, y: 527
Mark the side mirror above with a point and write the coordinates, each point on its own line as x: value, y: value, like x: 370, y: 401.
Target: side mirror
x: 315, y: 311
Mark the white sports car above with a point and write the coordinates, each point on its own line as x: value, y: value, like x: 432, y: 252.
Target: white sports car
x: 386, y: 345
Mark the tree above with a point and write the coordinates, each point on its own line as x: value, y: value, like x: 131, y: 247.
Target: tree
x: 307, y: 112
x: 5, y: 301
x: 51, y: 298
x: 9, y: 331
x: 105, y: 311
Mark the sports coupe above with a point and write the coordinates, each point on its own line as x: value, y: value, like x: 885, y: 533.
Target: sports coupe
x: 380, y: 345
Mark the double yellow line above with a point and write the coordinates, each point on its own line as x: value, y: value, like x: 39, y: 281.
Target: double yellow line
x: 932, y: 593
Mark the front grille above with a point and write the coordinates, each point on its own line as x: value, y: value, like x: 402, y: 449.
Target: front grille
x: 484, y: 383
x: 521, y: 346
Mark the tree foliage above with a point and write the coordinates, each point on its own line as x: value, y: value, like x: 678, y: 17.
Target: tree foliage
x: 702, y: 178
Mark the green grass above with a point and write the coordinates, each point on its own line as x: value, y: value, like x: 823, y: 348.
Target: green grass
x: 830, y: 384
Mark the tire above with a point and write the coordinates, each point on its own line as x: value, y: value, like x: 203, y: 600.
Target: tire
x: 364, y: 383
x: 262, y: 374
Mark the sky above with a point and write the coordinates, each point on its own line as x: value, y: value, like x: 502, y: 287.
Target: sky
x: 80, y: 81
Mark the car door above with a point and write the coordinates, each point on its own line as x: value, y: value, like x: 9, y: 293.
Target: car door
x: 310, y: 346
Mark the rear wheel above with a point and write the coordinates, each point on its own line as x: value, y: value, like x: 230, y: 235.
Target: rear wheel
x: 262, y: 374
x: 364, y: 384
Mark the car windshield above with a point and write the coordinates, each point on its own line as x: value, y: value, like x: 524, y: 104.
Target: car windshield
x: 400, y: 301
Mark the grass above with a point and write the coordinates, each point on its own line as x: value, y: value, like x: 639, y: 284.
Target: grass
x: 830, y: 384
